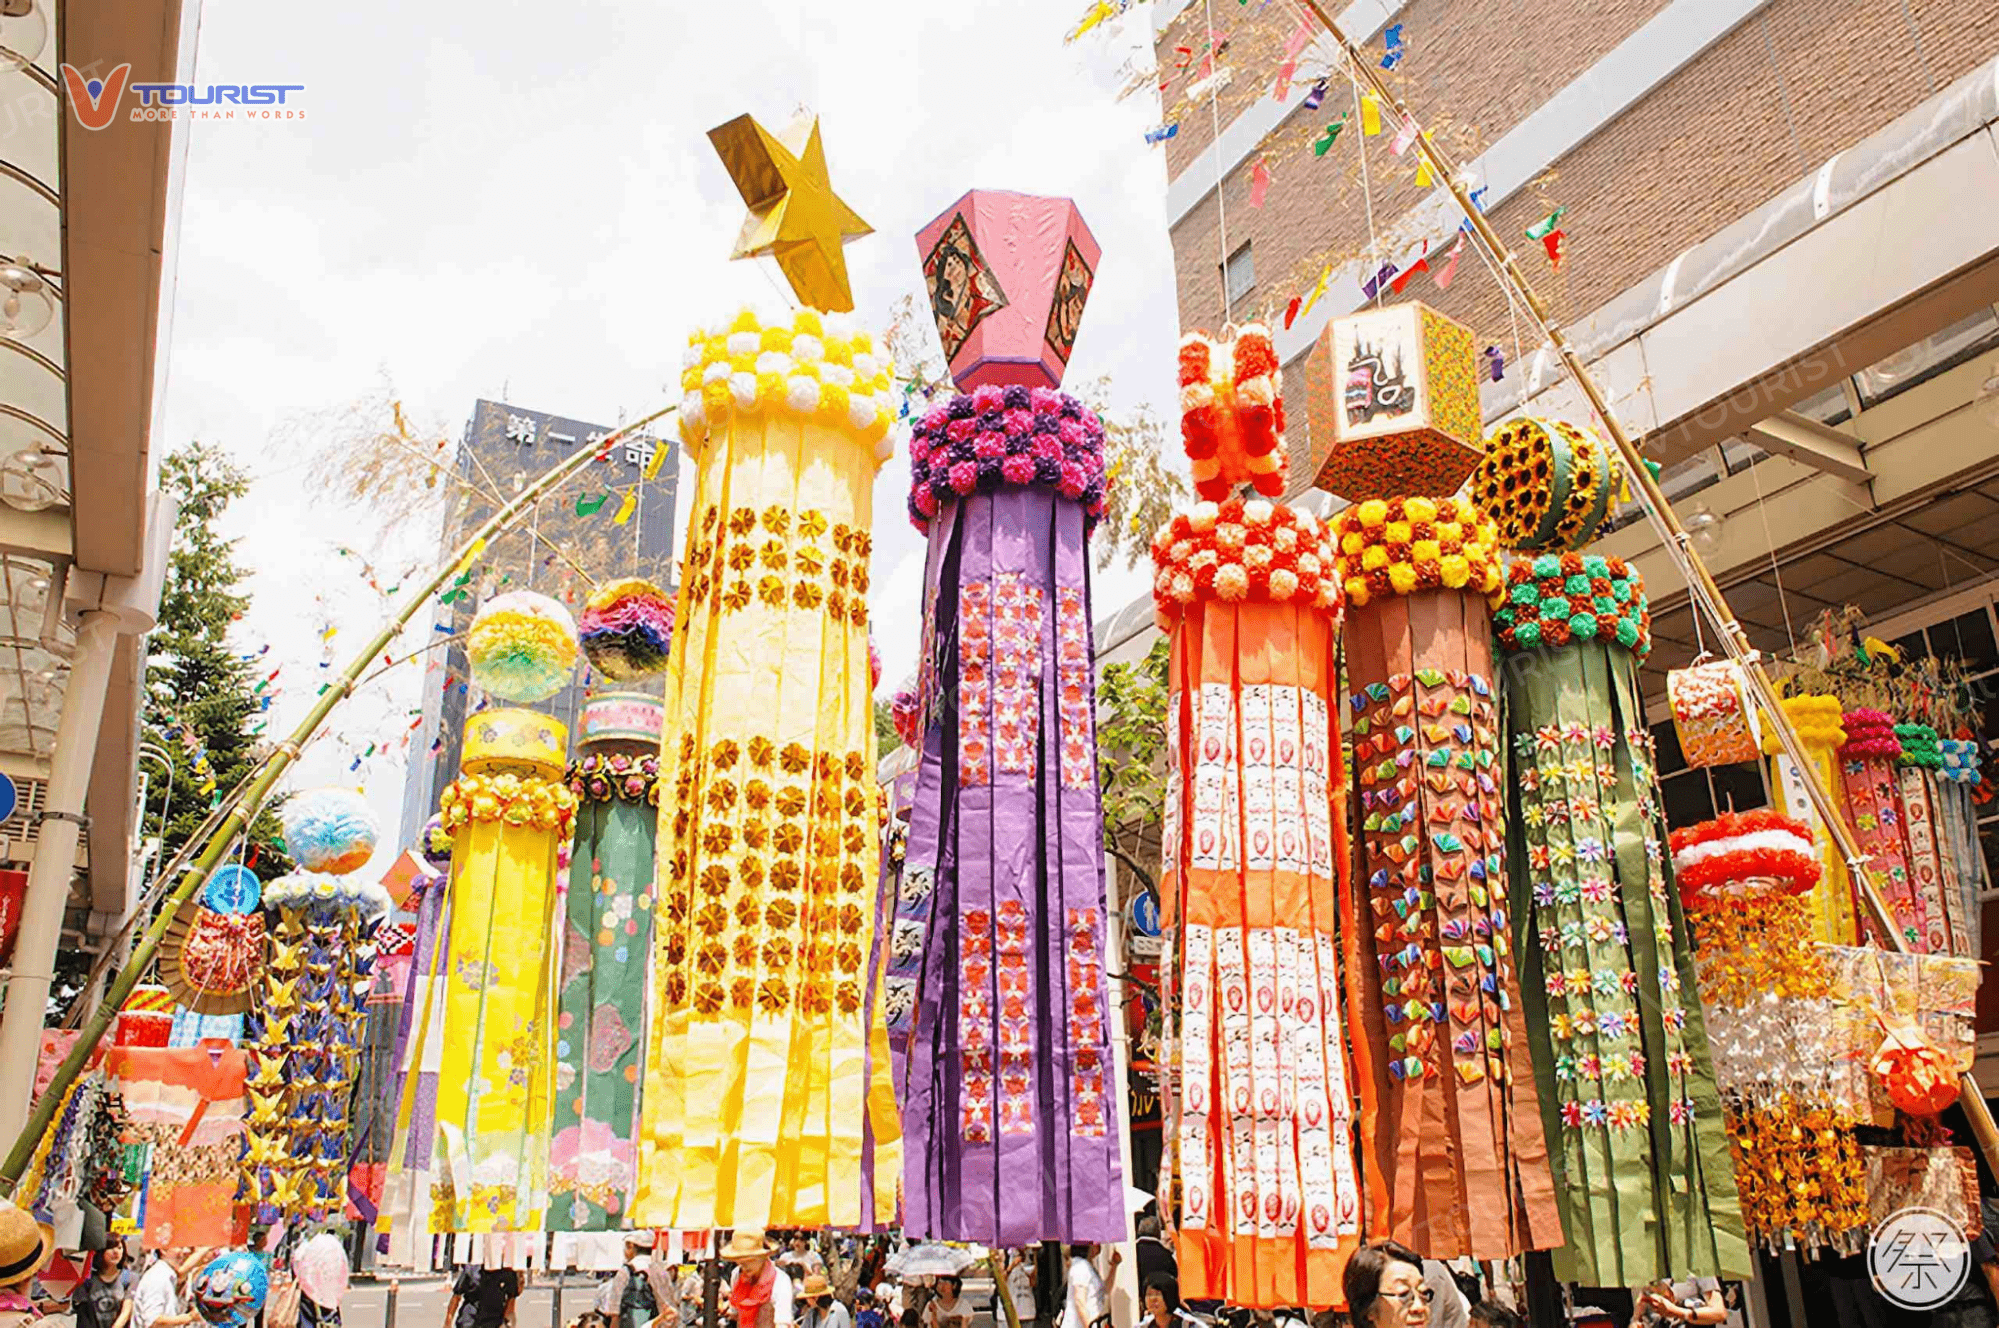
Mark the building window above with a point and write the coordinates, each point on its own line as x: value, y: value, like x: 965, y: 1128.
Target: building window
x: 1921, y: 361
x: 1239, y: 274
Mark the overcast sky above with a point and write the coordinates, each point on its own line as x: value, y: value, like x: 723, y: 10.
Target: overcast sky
x: 519, y: 200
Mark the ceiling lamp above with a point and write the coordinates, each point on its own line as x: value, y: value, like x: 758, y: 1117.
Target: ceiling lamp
x: 31, y: 480
x: 24, y: 32
x: 26, y: 303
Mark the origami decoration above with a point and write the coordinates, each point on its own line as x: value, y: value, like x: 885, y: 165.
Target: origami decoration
x: 606, y: 940
x: 1391, y: 395
x: 1634, y: 1129
x: 1451, y: 1135
x: 1765, y: 991
x: 186, y: 1107
x: 1254, y: 847
x: 995, y: 996
x: 1873, y: 797
x: 795, y: 216
x: 1711, y: 715
x: 1008, y: 276
x: 306, y: 1028
x: 214, y: 949
x: 756, y: 1086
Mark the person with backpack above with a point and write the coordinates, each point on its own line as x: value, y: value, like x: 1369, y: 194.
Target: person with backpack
x: 641, y: 1292
x: 483, y: 1298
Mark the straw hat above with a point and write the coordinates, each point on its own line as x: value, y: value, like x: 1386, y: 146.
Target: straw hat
x: 747, y: 1244
x: 25, y: 1245
x: 816, y: 1286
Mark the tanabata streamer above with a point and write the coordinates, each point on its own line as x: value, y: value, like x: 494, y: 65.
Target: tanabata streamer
x: 1952, y: 786
x: 994, y: 993
x: 1932, y: 868
x: 1746, y: 879
x: 1620, y: 1053
x: 186, y: 1105
x: 305, y: 1028
x: 404, y: 1220
x: 606, y: 939
x: 1451, y: 1136
x: 758, y: 1078
x: 1873, y: 796
x: 1254, y: 869
x: 1816, y: 718
x: 506, y: 813
x: 1711, y: 714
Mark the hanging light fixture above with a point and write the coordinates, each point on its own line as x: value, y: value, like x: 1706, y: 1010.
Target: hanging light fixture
x: 31, y: 480
x: 26, y: 303
x: 24, y: 32
x: 1703, y: 525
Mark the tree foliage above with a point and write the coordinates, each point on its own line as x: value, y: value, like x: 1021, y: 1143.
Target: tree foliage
x: 1131, y: 757
x: 886, y: 739
x: 1144, y: 489
x: 201, y: 694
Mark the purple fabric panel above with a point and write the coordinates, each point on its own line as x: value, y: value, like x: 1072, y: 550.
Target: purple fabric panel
x: 423, y: 949
x: 964, y: 883
x: 1095, y: 1208
x: 1011, y: 854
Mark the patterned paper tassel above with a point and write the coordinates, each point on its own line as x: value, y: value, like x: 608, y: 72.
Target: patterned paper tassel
x: 403, y: 1223
x: 1817, y: 721
x: 1451, y: 1134
x: 1957, y: 830
x: 1607, y: 974
x: 1873, y: 795
x: 1259, y: 1128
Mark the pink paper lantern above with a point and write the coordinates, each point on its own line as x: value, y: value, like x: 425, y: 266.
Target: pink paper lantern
x: 1008, y: 276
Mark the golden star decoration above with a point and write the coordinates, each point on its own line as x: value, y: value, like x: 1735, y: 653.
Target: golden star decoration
x: 794, y: 214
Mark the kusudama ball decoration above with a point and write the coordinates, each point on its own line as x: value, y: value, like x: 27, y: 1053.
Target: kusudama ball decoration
x: 1547, y: 484
x: 627, y: 626
x: 329, y: 830
x: 522, y: 647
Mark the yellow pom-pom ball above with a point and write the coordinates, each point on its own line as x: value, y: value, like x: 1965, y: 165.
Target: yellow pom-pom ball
x: 745, y: 321
x: 1425, y: 551
x: 832, y: 402
x: 808, y: 320
x: 1356, y: 591
x: 1419, y: 509
x: 522, y: 647
x: 1402, y: 577
x: 1373, y: 557
x: 776, y: 339
x: 770, y: 391
x: 1351, y: 544
x: 839, y: 351
x: 1373, y: 512
x: 1450, y: 530
x: 743, y: 364
x: 1398, y: 533
x: 1455, y: 570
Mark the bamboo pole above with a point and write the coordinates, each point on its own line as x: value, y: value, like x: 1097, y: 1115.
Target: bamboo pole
x: 267, y: 774
x: 1702, y: 588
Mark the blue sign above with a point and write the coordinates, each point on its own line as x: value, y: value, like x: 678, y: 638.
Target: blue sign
x: 10, y: 797
x: 232, y: 889
x: 1144, y: 914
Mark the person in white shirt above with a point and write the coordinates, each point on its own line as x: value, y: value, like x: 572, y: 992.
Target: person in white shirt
x: 156, y: 1299
x: 1083, y: 1302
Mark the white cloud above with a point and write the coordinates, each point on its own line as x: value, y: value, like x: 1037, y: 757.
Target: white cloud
x: 520, y: 199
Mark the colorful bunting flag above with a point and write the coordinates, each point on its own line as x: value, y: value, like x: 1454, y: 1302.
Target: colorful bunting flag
x: 1370, y: 115
x: 1393, y: 55
x: 586, y: 507
x: 1548, y: 223
x: 1315, y: 96
x: 1291, y: 311
x: 1450, y: 268
x: 1161, y: 133
x: 1495, y: 363
x: 628, y: 507
x: 1556, y: 243
x: 1259, y: 183
x: 1318, y: 289
x: 1373, y: 284
x: 1404, y: 136
x: 1328, y: 137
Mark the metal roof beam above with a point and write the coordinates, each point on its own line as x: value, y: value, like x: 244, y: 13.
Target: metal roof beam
x: 1805, y: 440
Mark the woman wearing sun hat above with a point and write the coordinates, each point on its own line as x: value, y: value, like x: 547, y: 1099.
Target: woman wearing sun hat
x: 760, y: 1295
x: 25, y: 1248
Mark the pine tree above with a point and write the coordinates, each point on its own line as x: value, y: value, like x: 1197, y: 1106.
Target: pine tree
x: 202, y: 695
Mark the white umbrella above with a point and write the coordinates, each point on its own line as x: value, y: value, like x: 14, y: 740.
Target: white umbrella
x: 931, y: 1259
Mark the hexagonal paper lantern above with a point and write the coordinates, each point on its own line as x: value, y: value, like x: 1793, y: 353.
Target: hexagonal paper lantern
x: 1008, y: 276
x: 1392, y: 399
